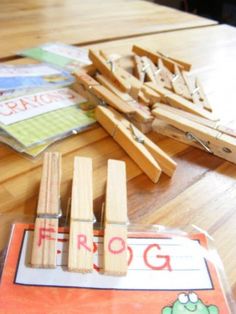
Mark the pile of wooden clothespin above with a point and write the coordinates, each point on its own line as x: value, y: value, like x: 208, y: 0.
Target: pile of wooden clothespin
x: 156, y: 94
x: 123, y: 108
x: 80, y: 257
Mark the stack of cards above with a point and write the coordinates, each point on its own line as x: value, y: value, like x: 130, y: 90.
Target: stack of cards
x: 37, y: 105
x: 31, y: 122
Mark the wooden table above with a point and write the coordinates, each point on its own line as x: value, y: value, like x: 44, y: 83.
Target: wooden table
x: 202, y: 193
x: 28, y: 23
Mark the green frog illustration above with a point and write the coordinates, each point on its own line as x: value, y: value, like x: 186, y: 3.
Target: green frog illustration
x: 189, y: 303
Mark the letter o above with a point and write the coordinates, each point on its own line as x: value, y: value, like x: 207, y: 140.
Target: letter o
x: 122, y: 242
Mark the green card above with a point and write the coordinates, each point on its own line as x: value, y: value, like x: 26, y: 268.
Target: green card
x: 50, y: 126
x: 59, y: 54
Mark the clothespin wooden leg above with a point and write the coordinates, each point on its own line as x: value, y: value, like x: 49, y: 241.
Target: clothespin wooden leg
x: 121, y: 131
x: 202, y: 96
x: 81, y: 225
x: 48, y: 211
x: 139, y: 72
x: 115, y: 237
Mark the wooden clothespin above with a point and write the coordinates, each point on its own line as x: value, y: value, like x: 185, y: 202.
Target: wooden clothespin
x: 142, y: 113
x: 149, y: 157
x: 48, y: 212
x: 151, y: 70
x: 134, y: 87
x: 177, y: 101
x: 140, y: 91
x: 155, y: 56
x: 107, y: 68
x: 169, y: 74
x: 150, y: 94
x: 87, y: 94
x: 115, y: 233
x: 180, y: 63
x: 81, y: 223
x: 139, y: 70
x: 102, y: 93
x: 208, y: 135
x: 196, y: 92
x: 144, y: 68
x: 165, y: 76
x: 179, y: 84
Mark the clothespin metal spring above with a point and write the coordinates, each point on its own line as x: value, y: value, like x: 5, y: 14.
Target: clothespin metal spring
x: 175, y: 77
x: 227, y: 150
x: 137, y: 138
x: 100, y: 101
x: 196, y: 90
x: 145, y: 67
x: 112, y: 65
x: 192, y: 137
x: 50, y: 216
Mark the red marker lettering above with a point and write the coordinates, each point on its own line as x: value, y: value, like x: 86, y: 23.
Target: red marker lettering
x: 25, y: 104
x: 67, y: 94
x: 95, y: 248
x: 121, y: 243
x: 54, y: 97
x: 12, y: 106
x: 45, y: 234
x: 44, y: 99
x: 48, y: 98
x: 130, y: 255
x: 166, y: 258
x: 5, y: 112
x: 82, y: 241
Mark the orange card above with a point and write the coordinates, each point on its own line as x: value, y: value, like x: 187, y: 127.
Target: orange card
x: 167, y: 273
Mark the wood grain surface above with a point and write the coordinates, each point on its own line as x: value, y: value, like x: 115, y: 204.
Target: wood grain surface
x: 201, y: 194
x: 28, y: 23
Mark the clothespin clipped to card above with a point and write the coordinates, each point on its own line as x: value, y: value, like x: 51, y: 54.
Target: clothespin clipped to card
x: 149, y: 157
x: 179, y: 102
x: 81, y: 222
x: 196, y: 92
x: 210, y: 136
x: 115, y: 233
x: 48, y: 212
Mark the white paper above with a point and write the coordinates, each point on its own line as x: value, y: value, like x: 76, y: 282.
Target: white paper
x: 188, y: 266
x: 32, y: 70
x: 75, y: 53
x: 25, y: 107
